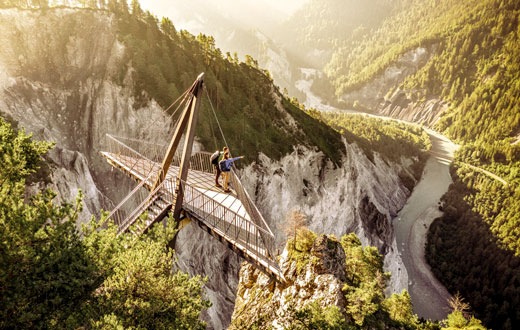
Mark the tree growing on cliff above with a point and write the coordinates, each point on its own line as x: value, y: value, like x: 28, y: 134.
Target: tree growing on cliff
x: 460, y: 318
x: 54, y: 277
x: 399, y: 308
x: 139, y: 288
x: 294, y: 222
x: 44, y: 271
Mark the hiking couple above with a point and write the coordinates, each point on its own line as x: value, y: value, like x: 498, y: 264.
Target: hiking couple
x: 223, y: 164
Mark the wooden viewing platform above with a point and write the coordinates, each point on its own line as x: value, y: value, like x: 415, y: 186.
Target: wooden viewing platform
x: 185, y: 183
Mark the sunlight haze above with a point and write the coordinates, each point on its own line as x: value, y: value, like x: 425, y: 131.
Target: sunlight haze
x: 287, y: 6
x: 253, y: 14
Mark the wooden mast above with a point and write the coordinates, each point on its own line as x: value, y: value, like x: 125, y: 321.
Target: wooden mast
x: 187, y: 122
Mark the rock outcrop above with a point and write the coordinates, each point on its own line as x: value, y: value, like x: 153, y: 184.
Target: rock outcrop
x: 263, y: 302
x: 328, y: 284
x: 425, y: 113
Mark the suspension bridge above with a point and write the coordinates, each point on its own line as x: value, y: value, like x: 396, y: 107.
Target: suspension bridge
x: 183, y: 183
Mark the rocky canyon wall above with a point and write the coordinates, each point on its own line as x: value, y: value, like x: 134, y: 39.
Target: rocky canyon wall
x: 375, y: 95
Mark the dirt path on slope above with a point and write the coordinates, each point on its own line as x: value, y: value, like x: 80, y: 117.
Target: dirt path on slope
x: 428, y: 295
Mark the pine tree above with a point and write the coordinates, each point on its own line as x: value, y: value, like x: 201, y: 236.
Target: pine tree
x: 53, y: 276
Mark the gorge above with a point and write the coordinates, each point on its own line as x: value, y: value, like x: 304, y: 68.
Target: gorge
x: 59, y: 84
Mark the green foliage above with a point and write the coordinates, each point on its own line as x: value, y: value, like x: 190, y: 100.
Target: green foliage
x: 389, y: 138
x: 364, y: 301
x: 299, y: 247
x: 51, y: 276
x: 139, y: 288
x: 496, y: 203
x: 44, y: 271
x: 399, y: 308
x: 366, y: 281
x: 316, y: 316
x: 477, y: 71
x: 467, y: 257
x: 363, y: 264
x: 19, y: 155
x: 456, y: 320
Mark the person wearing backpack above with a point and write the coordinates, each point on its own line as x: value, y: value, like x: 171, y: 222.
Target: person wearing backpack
x: 215, y: 158
x: 225, y: 167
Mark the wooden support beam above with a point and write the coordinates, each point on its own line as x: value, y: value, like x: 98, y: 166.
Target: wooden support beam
x: 179, y: 130
x: 194, y: 105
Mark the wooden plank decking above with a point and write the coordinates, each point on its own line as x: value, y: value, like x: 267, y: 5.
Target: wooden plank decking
x: 221, y: 214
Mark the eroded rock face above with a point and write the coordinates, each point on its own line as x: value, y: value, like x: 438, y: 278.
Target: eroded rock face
x: 425, y: 113
x: 358, y: 196
x: 57, y: 70
x: 260, y: 298
x: 372, y: 96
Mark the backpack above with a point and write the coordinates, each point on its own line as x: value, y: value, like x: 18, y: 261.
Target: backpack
x: 222, y: 166
x: 214, y: 157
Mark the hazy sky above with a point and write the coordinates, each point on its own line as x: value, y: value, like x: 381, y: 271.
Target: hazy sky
x: 160, y: 7
x: 200, y: 16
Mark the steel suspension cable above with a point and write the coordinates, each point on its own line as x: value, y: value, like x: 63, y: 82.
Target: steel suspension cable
x: 215, y: 114
x: 213, y: 133
x: 182, y: 96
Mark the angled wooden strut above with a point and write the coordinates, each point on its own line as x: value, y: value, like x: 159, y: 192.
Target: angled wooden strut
x: 187, y: 122
x: 238, y: 225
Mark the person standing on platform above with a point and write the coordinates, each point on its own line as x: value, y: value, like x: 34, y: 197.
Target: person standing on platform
x: 225, y: 166
x: 215, y: 158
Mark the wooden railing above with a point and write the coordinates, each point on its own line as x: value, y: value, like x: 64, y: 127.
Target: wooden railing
x: 254, y: 240
x: 200, y: 161
x: 128, y: 204
x: 254, y: 213
x: 135, y: 148
x: 137, y: 201
x: 254, y: 233
x: 165, y: 190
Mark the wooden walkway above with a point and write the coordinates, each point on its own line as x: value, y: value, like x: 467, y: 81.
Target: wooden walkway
x: 230, y: 217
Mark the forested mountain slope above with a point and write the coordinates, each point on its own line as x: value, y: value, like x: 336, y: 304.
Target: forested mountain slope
x: 472, y: 67
x: 318, y: 30
x: 164, y: 62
